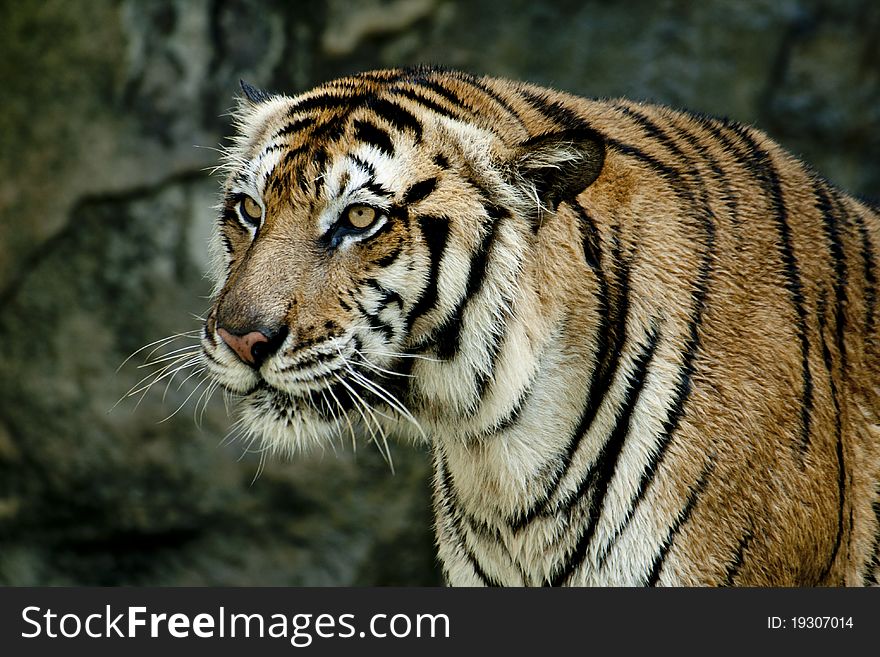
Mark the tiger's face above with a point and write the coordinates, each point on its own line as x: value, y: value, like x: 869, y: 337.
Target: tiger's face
x: 342, y: 247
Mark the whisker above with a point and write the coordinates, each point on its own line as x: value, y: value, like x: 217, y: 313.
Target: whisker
x: 156, y: 376
x: 204, y: 399
x: 336, y: 420
x: 374, y: 352
x: 171, y: 355
x: 260, y: 465
x: 366, y: 362
x: 188, y: 397
x: 386, y: 396
x: 227, y: 439
x: 160, y: 342
x: 387, y: 452
x: 177, y: 371
x: 347, y: 419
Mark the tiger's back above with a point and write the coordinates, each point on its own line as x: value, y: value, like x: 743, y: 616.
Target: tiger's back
x: 642, y: 343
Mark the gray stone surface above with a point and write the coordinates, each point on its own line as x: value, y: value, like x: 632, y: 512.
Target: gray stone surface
x: 109, y: 116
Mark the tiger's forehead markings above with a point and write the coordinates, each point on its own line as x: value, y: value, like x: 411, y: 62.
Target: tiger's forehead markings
x: 379, y: 113
x: 369, y: 165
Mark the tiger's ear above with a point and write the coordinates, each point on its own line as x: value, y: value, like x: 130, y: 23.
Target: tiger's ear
x: 254, y: 95
x: 560, y: 165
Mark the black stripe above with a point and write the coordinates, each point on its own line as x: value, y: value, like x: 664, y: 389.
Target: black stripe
x: 449, y: 500
x: 447, y: 94
x: 273, y: 148
x: 276, y: 185
x: 831, y: 215
x: 302, y: 181
x: 603, y: 469
x: 723, y: 130
x: 872, y: 572
x: 727, y: 196
x: 684, y: 385
x: 565, y: 117
x: 293, y: 153
x: 680, y: 521
x: 672, y: 176
x: 297, y: 125
x: 610, y: 335
x: 610, y: 340
x: 441, y: 161
x: 329, y: 131
x: 656, y: 133
x: 838, y: 432
x: 344, y: 179
x: 491, y: 93
x: 435, y: 231
x: 320, y: 159
x: 329, y: 101
x: 590, y: 239
x: 364, y: 165
x: 390, y: 258
x: 213, y: 340
x: 495, y: 339
x: 738, y: 561
x: 386, y: 296
x: 841, y: 494
x: 449, y: 335
x: 835, y: 217
x: 426, y: 102
x: 378, y: 189
x: 311, y: 361
x: 420, y: 191
x: 385, y: 75
x: 376, y: 323
x: 653, y: 130
x: 769, y: 177
x: 493, y: 348
x: 869, y: 273
x: 396, y: 116
x: 510, y: 420
x: 374, y: 136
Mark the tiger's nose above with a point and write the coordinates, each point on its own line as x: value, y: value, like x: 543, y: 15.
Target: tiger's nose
x: 252, y: 348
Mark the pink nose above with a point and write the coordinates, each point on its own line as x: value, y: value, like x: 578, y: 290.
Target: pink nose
x: 252, y: 348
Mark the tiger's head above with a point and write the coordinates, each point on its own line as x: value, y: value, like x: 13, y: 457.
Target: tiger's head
x: 371, y: 246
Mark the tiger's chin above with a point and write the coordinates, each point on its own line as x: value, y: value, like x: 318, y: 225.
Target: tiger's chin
x: 285, y: 425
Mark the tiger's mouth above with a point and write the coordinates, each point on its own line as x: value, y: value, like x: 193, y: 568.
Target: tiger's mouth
x: 286, y: 424
x: 342, y: 404
x: 301, y: 399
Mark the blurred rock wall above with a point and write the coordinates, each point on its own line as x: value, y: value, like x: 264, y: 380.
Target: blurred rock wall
x: 110, y: 114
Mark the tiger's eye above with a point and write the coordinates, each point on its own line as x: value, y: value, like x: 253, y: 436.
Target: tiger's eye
x: 360, y: 216
x: 251, y: 209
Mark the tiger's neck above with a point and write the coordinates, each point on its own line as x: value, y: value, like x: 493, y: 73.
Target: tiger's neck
x: 498, y: 405
x: 515, y: 474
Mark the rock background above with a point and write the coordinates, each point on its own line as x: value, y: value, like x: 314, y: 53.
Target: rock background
x: 109, y: 115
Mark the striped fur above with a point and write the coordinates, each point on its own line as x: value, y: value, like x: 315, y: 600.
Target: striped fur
x: 642, y: 344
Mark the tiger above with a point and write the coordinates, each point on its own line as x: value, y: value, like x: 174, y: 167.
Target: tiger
x: 640, y: 344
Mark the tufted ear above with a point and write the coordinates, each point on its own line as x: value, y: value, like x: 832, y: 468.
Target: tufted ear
x: 560, y: 165
x: 253, y: 94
